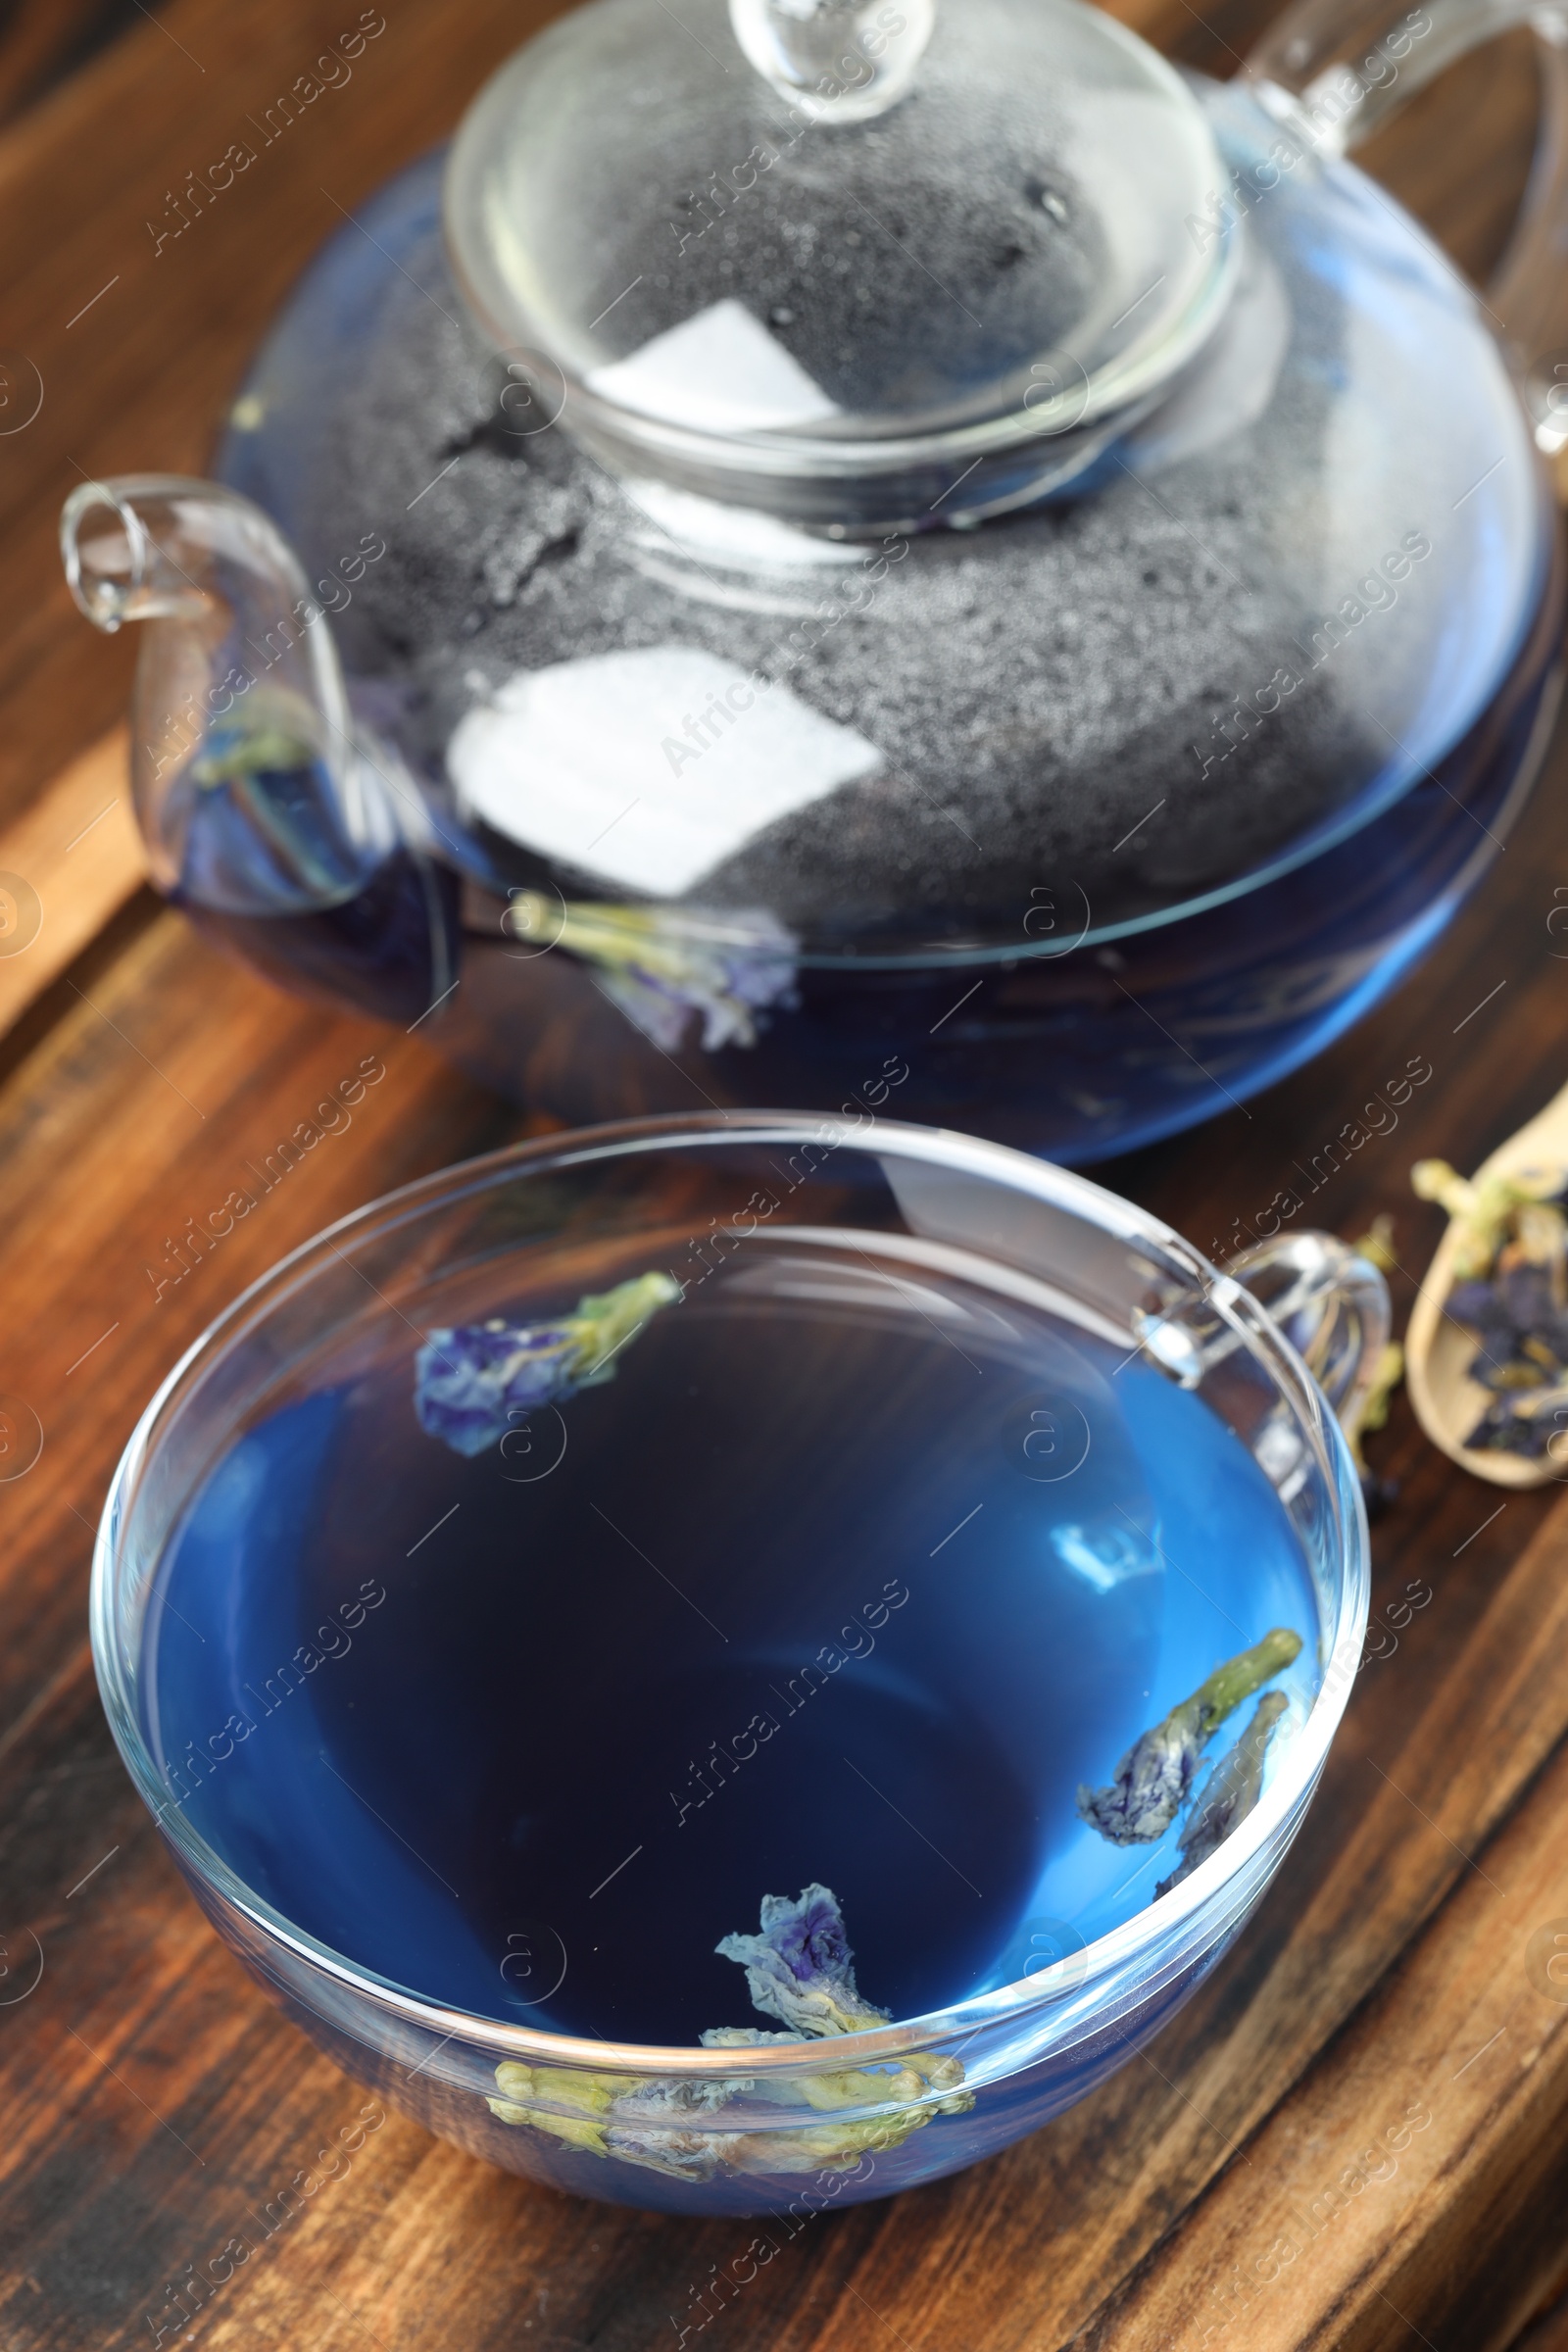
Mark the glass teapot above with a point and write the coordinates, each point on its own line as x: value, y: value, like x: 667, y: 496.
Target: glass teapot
x: 834, y: 555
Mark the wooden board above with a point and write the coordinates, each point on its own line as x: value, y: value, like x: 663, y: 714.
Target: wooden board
x: 1220, y: 2190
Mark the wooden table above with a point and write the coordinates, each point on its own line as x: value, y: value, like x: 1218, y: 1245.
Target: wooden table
x: 1356, y: 2135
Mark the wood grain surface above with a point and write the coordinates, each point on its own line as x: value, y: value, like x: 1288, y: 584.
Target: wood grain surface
x: 1356, y: 2135
x: 43, y: 41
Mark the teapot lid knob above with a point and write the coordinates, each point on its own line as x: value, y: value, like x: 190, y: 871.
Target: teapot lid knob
x: 843, y: 61
x: 849, y: 262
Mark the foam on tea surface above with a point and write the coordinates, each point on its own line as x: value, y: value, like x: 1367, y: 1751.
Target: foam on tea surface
x: 854, y: 1572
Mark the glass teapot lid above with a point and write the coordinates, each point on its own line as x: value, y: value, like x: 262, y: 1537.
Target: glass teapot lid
x: 836, y: 259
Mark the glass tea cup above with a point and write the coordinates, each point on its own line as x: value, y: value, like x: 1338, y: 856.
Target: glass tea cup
x: 786, y: 2125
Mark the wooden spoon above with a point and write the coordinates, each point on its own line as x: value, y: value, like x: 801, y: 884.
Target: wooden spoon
x: 1438, y: 1350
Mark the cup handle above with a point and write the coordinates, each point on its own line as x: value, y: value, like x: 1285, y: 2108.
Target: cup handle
x: 1335, y: 71
x: 1332, y: 1305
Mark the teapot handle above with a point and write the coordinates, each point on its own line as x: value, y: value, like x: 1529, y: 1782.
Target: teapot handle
x: 1336, y: 71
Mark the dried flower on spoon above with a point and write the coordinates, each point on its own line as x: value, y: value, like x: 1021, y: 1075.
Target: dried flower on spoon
x: 1156, y: 1776
x: 472, y: 1384
x: 1485, y: 1212
x: 1511, y: 1290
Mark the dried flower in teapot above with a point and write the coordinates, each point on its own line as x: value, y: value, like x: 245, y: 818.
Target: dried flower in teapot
x: 661, y: 967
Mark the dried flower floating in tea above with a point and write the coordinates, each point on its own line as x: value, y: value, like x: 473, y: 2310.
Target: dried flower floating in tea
x: 233, y: 755
x: 662, y: 967
x: 1156, y: 1775
x: 472, y: 1384
x: 263, y: 767
x: 1511, y: 1290
x: 798, y: 1968
x: 1230, y: 1793
x: 640, y: 2121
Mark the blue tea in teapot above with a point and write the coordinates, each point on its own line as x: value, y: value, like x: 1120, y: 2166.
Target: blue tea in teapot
x: 947, y: 558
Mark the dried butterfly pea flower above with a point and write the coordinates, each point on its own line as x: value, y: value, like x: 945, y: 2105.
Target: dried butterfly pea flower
x: 275, y: 732
x: 1377, y: 1491
x: 1388, y: 1372
x: 660, y: 966
x: 849, y: 2087
x: 571, y: 2106
x: 799, y: 1970
x: 1513, y: 1259
x: 1539, y: 1243
x: 1512, y: 1310
x: 630, y: 2116
x: 799, y: 1966
x: 269, y: 822
x: 472, y: 1384
x: 1376, y: 1244
x: 231, y: 753
x: 894, y: 2092
x: 1155, y: 1777
x: 1483, y: 1211
x: 1524, y: 1422
x: 1230, y: 1793
x: 1483, y: 1306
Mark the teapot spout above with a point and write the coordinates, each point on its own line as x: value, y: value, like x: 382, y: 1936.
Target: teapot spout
x: 251, y: 791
